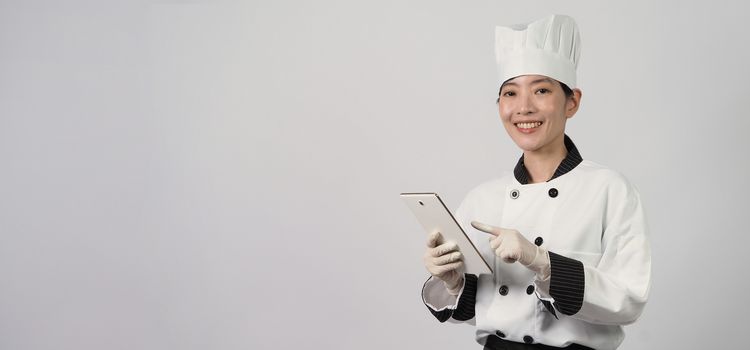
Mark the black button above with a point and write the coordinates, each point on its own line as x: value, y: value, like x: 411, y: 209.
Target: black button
x: 530, y: 289
x: 553, y: 192
x: 500, y: 334
x: 503, y: 290
x: 528, y: 339
x: 514, y: 194
x: 538, y: 241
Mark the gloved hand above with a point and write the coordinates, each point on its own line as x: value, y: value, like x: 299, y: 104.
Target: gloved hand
x: 511, y: 246
x: 444, y: 261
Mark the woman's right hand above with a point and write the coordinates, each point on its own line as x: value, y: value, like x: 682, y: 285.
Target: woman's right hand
x: 444, y: 261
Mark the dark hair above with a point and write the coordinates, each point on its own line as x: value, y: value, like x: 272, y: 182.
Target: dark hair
x: 567, y: 90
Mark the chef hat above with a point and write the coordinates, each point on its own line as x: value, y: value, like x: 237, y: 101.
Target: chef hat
x: 549, y: 46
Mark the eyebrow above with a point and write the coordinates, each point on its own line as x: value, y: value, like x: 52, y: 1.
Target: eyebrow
x: 535, y: 81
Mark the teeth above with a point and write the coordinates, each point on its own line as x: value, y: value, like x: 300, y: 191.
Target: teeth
x: 528, y: 125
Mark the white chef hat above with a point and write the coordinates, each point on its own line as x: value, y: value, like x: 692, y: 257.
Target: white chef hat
x: 549, y: 46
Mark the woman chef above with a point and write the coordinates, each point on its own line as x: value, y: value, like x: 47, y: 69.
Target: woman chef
x: 567, y: 236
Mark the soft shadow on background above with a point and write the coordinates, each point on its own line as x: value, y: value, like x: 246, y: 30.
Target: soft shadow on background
x: 225, y: 175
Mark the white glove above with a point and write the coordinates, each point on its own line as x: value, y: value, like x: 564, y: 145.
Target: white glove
x: 511, y: 246
x: 444, y: 261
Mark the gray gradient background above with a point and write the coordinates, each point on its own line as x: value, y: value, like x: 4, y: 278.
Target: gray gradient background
x: 225, y: 175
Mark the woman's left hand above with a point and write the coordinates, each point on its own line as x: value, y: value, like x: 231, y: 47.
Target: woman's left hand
x: 511, y: 246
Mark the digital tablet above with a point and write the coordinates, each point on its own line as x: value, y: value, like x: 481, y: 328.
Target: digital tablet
x: 432, y: 213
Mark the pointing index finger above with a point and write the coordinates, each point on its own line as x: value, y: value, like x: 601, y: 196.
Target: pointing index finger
x: 485, y: 228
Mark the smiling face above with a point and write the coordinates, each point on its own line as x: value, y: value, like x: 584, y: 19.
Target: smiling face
x: 534, y: 109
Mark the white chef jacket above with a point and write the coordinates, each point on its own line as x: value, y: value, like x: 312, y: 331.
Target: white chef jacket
x: 591, y: 221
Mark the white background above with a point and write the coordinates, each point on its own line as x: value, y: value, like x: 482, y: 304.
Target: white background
x: 225, y: 175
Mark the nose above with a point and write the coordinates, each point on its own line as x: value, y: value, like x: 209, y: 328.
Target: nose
x: 526, y: 105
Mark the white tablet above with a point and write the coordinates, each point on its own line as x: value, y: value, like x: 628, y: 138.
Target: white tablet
x: 435, y: 216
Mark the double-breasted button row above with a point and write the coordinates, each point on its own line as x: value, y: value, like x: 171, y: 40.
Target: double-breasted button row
x: 504, y: 290
x: 526, y: 338
x: 514, y: 193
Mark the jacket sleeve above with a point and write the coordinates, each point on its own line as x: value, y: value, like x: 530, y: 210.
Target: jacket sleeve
x: 446, y: 307
x: 613, y: 288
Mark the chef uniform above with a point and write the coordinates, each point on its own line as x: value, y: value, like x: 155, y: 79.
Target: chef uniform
x: 587, y: 216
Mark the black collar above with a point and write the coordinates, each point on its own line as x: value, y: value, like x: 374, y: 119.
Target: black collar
x: 571, y: 161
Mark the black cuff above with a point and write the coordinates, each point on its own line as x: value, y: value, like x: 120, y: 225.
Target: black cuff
x: 567, y: 282
x: 465, y: 308
x: 442, y: 315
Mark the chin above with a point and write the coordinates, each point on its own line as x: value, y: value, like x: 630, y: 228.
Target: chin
x: 526, y: 143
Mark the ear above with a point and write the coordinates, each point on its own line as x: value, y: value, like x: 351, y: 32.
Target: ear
x: 572, y: 103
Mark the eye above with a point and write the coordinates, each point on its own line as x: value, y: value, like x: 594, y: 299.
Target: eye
x: 543, y: 91
x: 508, y: 94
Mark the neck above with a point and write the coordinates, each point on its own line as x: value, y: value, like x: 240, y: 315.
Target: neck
x: 542, y: 163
